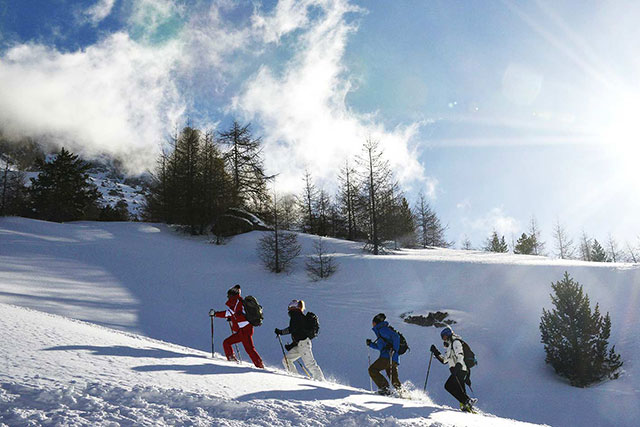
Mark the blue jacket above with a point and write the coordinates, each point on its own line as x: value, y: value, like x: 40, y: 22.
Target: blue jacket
x: 386, y: 338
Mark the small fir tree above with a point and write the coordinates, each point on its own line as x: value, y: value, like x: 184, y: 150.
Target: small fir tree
x: 575, y: 338
x: 525, y: 245
x: 496, y: 244
x: 598, y: 253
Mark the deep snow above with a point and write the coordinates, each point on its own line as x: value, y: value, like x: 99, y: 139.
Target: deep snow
x: 144, y: 278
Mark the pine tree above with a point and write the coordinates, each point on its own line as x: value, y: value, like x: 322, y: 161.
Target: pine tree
x: 496, y: 244
x: 576, y: 339
x: 62, y: 191
x: 244, y: 159
x: 13, y: 192
x: 525, y: 245
x: 321, y: 264
x: 598, y: 253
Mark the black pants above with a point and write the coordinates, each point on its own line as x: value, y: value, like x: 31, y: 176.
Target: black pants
x: 455, y: 386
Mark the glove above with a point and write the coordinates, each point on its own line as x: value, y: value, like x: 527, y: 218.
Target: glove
x: 289, y: 346
x: 369, y: 342
x: 212, y: 312
x: 278, y: 331
x: 434, y: 350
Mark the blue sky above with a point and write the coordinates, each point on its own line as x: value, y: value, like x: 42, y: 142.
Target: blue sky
x: 498, y: 110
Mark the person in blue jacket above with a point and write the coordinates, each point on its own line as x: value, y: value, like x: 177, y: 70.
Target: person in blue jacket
x: 387, y: 342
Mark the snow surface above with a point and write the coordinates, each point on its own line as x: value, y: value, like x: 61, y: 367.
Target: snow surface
x: 144, y: 278
x: 63, y: 372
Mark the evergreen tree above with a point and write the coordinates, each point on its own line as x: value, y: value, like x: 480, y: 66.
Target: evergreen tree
x: 13, y: 192
x: 323, y: 209
x: 525, y: 245
x: 598, y: 253
x: 244, y: 159
x: 62, y: 191
x: 576, y: 339
x: 496, y: 244
x: 406, y: 225
x: 321, y: 264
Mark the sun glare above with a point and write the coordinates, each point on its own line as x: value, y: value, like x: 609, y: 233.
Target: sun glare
x: 621, y: 134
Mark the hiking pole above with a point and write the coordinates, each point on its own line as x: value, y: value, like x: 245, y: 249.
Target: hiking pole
x: 212, y: 348
x: 304, y: 369
x: 283, y: 353
x: 428, y: 369
x: 236, y: 345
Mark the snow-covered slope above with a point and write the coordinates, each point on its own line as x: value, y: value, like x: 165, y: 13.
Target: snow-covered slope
x: 144, y: 278
x: 63, y: 372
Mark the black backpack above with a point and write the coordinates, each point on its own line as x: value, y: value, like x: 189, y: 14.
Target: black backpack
x: 469, y: 356
x: 313, y: 326
x: 252, y: 310
x: 403, y: 347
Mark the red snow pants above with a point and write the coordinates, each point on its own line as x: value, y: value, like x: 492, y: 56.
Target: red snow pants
x: 245, y: 336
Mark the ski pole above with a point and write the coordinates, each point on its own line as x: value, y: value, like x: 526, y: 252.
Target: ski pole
x: 236, y: 345
x: 283, y: 353
x: 428, y: 369
x: 212, y: 348
x: 304, y: 369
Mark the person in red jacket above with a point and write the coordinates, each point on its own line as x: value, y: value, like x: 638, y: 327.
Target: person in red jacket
x: 241, y: 329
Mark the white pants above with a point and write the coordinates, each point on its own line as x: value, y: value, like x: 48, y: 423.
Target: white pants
x: 303, y: 350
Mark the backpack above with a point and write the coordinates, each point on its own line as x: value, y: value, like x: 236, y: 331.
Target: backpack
x: 403, y: 347
x: 313, y: 326
x: 252, y: 310
x: 469, y: 356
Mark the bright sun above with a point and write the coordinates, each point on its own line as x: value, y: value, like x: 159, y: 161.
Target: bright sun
x: 621, y: 132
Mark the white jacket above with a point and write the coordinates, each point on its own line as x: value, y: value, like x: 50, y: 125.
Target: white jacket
x: 455, y: 353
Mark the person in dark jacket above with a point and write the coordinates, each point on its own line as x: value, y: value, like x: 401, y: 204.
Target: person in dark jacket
x: 241, y: 329
x: 300, y: 348
x: 388, y: 343
x: 454, y: 357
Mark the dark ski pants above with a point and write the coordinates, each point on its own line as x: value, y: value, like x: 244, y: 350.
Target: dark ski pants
x: 455, y: 386
x: 390, y: 369
x: 245, y: 336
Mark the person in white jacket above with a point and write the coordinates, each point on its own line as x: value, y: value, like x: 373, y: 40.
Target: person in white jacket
x: 454, y: 357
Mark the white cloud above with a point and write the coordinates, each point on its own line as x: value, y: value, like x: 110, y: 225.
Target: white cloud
x: 99, y: 11
x: 306, y: 120
x: 115, y: 97
x: 496, y: 219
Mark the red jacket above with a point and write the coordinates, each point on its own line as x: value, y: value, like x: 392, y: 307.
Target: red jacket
x: 235, y: 313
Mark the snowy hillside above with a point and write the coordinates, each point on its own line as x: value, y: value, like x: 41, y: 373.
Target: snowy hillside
x: 64, y: 372
x: 143, y: 278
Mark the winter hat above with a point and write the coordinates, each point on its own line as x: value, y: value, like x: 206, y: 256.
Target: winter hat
x: 446, y: 332
x: 296, y: 305
x: 233, y: 291
x: 380, y: 317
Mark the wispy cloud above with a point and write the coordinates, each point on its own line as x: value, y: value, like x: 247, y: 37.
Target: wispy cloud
x: 306, y: 119
x: 99, y: 11
x: 496, y: 219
